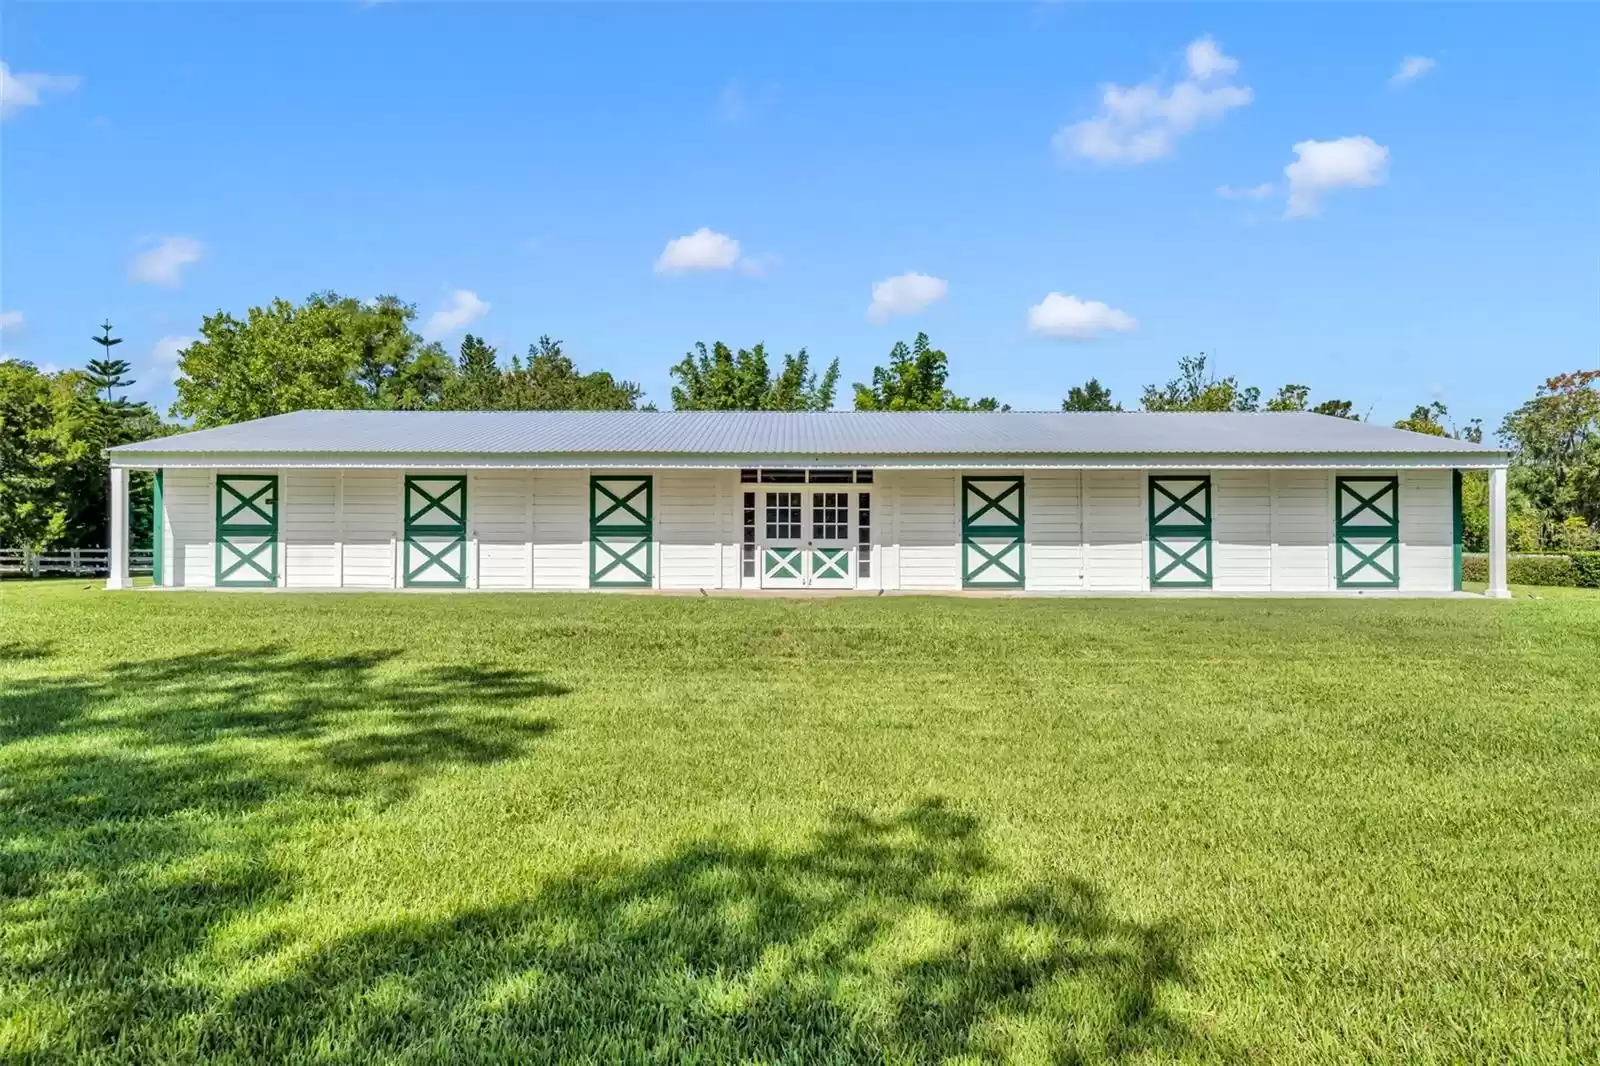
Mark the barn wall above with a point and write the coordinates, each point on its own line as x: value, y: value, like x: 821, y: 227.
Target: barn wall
x: 689, y: 530
x: 1302, y: 530
x: 308, y: 528
x: 500, y: 527
x: 1053, y: 520
x: 927, y: 530
x: 372, y: 525
x: 190, y: 499
x: 1086, y: 530
x: 1241, y: 530
x: 561, y: 529
x: 1115, y: 525
x: 1427, y: 531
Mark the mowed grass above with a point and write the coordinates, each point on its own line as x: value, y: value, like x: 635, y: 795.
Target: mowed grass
x: 456, y: 828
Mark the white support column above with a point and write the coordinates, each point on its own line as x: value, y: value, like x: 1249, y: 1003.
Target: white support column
x: 117, y: 565
x: 1497, y: 534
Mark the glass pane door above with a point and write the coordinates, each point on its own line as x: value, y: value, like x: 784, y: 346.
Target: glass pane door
x: 783, y: 545
x: 830, y: 546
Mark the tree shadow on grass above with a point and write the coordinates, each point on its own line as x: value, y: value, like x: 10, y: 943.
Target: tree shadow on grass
x: 879, y: 940
x: 146, y: 805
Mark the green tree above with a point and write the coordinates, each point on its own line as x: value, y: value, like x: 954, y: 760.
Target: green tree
x: 914, y: 380
x: 1198, y: 389
x: 1298, y: 398
x: 329, y: 352
x: 1337, y: 409
x: 31, y: 511
x: 550, y: 381
x: 1556, y: 437
x: 1090, y: 396
x: 1426, y: 418
x: 107, y: 373
x: 476, y: 384
x: 724, y: 380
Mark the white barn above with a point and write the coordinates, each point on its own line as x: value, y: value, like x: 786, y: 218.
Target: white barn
x: 927, y: 501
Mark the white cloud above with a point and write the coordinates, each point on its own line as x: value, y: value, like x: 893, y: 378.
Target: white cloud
x: 1137, y: 123
x: 21, y: 91
x: 165, y: 354
x: 11, y: 320
x: 1347, y: 163
x: 163, y: 264
x: 1206, y: 60
x: 905, y: 294
x: 1074, y: 319
x: 463, y: 309
x: 704, y: 249
x: 1250, y: 192
x: 1412, y: 68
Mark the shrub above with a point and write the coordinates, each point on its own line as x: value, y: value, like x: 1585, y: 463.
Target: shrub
x: 1526, y: 569
x: 1586, y: 569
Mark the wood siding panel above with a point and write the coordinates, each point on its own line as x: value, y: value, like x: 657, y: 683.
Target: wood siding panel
x: 371, y: 525
x: 1427, y: 531
x: 561, y: 529
x: 1241, y: 530
x: 928, y: 525
x: 688, y: 530
x: 1115, y: 525
x: 501, y: 504
x: 308, y: 528
x: 1054, y: 524
x: 1302, y: 531
x: 191, y: 527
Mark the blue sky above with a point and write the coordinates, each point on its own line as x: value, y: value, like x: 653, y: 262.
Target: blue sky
x: 526, y: 167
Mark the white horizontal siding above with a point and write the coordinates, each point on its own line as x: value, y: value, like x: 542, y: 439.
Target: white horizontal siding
x: 561, y: 529
x: 308, y: 528
x: 371, y: 526
x: 1115, y: 524
x: 1054, y: 524
x: 1241, y: 531
x: 688, y: 531
x: 1302, y: 531
x: 501, y: 506
x: 1427, y: 531
x: 188, y: 496
x: 928, y: 531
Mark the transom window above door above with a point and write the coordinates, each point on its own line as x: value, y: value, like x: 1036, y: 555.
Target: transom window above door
x: 771, y: 476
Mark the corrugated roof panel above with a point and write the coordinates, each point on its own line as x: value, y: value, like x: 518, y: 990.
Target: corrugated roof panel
x: 811, y: 434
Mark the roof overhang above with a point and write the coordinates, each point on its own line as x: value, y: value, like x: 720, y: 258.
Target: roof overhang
x: 130, y: 458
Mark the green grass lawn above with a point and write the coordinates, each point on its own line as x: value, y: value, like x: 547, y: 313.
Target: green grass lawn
x: 403, y: 828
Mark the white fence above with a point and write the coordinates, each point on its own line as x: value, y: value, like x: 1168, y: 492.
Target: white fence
x: 77, y: 562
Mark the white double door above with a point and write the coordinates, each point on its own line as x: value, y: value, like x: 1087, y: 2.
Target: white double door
x: 806, y: 538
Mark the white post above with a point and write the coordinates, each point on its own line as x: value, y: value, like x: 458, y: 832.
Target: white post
x: 1497, y: 534
x: 117, y: 563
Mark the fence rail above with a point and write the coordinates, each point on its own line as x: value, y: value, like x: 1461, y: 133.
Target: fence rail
x: 77, y: 562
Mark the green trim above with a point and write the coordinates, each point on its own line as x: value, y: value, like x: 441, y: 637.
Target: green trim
x: 999, y: 516
x: 158, y: 569
x: 830, y: 564
x: 1376, y: 496
x: 1180, y: 511
x: 621, y: 531
x: 251, y: 515
x: 1458, y: 529
x: 441, y: 514
x: 782, y: 563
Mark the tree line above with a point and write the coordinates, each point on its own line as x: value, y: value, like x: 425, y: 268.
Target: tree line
x: 338, y: 352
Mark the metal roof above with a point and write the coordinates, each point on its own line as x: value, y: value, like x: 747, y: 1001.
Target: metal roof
x: 393, y: 435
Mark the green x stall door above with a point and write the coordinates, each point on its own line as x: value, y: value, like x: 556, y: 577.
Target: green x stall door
x: 1180, y: 531
x: 247, y: 530
x: 781, y: 564
x: 436, y: 531
x: 1367, y: 531
x: 621, y: 531
x: 991, y: 532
